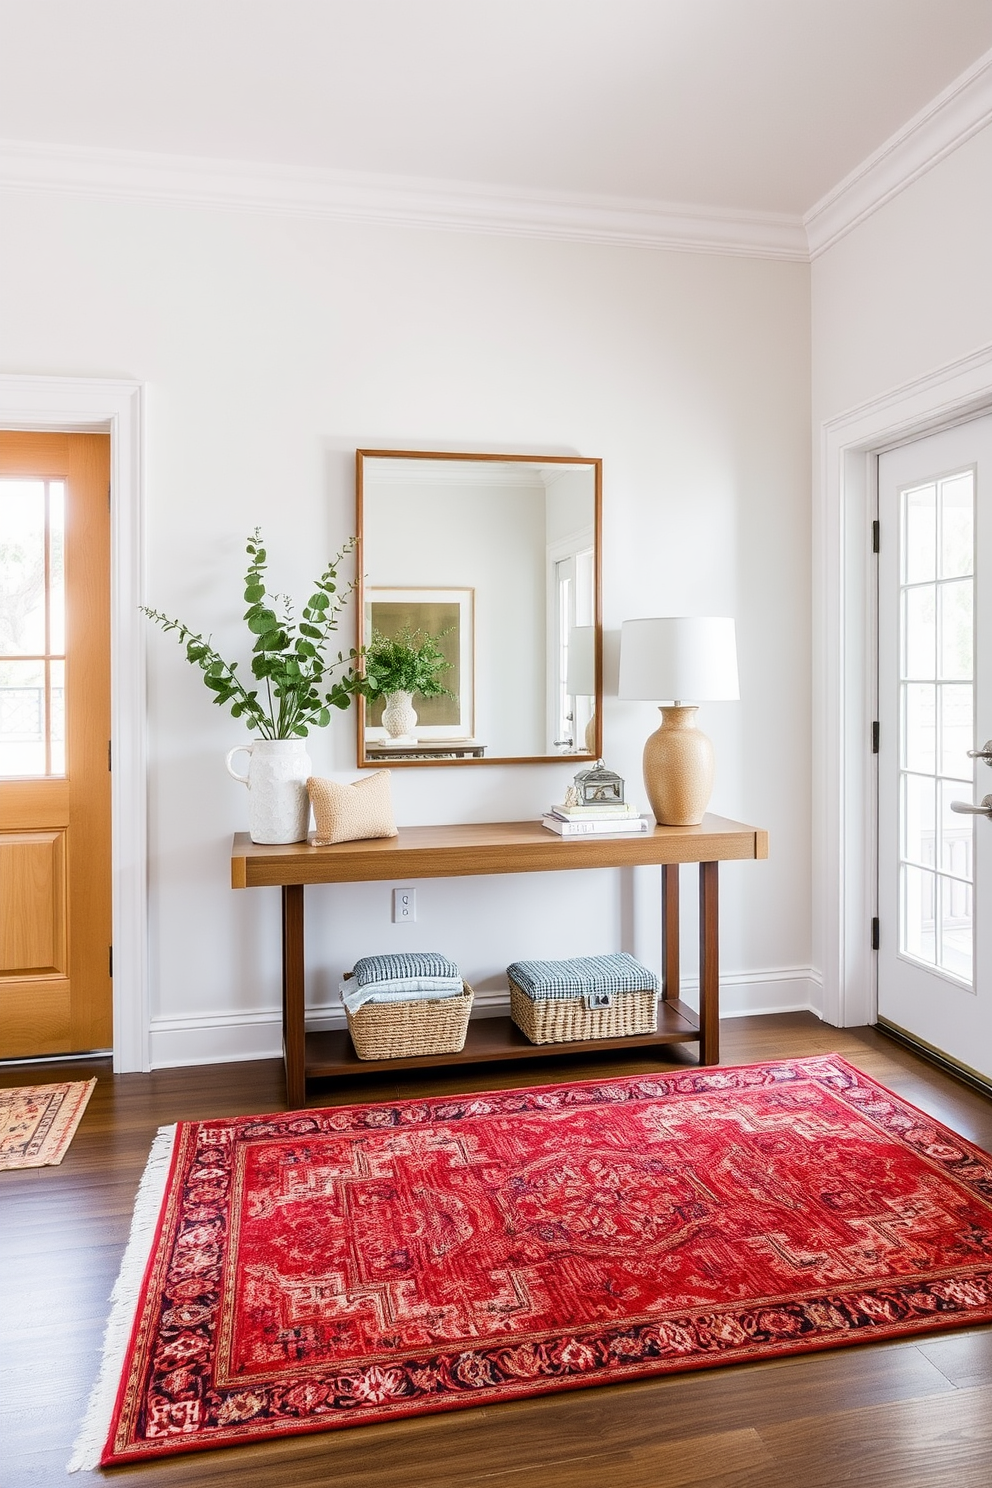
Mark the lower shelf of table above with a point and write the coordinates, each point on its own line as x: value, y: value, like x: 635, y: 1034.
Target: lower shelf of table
x: 491, y: 1039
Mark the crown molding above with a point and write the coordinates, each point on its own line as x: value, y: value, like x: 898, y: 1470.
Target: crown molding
x: 950, y: 119
x: 403, y: 201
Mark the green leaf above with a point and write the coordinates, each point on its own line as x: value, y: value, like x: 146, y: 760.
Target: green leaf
x: 261, y: 620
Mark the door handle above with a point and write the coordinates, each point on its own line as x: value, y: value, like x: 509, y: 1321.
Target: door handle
x: 984, y: 753
x: 965, y: 808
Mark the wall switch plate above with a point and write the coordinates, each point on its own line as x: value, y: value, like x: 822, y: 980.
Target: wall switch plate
x: 404, y: 906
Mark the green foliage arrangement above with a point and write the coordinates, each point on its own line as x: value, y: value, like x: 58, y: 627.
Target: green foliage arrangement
x: 290, y: 658
x: 410, y: 661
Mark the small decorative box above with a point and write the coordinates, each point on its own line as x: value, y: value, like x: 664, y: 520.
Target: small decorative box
x: 587, y: 997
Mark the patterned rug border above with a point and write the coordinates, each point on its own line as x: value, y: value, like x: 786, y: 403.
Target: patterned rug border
x: 63, y: 1122
x: 659, y: 1348
x: 146, y: 1224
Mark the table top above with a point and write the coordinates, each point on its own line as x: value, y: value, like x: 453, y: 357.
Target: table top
x: 486, y: 847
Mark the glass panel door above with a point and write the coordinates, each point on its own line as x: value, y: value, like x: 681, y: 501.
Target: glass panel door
x: 935, y: 712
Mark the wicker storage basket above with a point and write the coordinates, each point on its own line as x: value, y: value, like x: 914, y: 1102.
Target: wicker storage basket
x: 560, y: 1020
x: 401, y: 1030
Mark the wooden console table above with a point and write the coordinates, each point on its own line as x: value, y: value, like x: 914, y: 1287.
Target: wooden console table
x: 497, y: 847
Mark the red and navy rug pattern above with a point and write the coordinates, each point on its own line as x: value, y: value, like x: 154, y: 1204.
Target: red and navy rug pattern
x: 337, y: 1267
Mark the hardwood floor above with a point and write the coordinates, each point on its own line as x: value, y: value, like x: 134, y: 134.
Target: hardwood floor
x: 911, y: 1414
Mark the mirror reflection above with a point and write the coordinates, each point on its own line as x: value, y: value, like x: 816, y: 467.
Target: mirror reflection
x: 480, y: 607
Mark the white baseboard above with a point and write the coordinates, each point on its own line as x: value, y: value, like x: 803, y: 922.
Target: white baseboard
x: 221, y: 1038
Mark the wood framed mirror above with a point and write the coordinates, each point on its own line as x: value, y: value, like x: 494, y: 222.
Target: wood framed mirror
x: 489, y: 567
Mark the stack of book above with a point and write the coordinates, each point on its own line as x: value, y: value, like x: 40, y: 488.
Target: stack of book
x: 583, y: 821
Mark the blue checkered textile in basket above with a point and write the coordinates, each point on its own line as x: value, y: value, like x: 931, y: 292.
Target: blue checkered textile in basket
x: 410, y: 976
x: 404, y: 966
x: 582, y: 976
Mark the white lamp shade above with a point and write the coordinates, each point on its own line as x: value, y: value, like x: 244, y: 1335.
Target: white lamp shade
x: 580, y: 677
x: 679, y: 658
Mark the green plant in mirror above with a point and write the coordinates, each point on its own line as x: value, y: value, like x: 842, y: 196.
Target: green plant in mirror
x: 410, y: 661
x: 290, y: 658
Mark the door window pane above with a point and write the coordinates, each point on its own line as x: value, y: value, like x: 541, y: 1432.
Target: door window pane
x: 32, y: 628
x: 919, y: 727
x: 920, y: 649
x: 22, y: 718
x: 956, y: 929
x: 957, y: 731
x: 957, y: 526
x: 919, y: 545
x: 56, y: 673
x: 22, y: 567
x: 918, y: 926
x: 56, y: 567
x: 957, y: 629
x: 919, y: 820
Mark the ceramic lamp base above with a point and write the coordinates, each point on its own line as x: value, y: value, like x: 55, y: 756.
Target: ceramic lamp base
x: 678, y: 769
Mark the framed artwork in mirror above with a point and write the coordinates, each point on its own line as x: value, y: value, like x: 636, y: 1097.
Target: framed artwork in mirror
x: 494, y: 560
x: 411, y: 617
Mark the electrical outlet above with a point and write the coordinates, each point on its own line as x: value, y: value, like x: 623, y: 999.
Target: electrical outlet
x: 404, y: 906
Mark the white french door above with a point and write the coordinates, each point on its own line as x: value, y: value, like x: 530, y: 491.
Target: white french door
x: 935, y: 715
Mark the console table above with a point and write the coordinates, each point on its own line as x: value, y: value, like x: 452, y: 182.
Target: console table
x: 497, y: 847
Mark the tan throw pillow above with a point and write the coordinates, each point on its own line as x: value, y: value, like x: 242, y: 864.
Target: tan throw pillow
x: 347, y: 813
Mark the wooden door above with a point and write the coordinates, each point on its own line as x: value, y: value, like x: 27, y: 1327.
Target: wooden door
x: 55, y: 876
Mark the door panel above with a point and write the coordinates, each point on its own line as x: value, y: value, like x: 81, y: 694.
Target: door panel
x: 32, y: 903
x: 55, y: 878
x: 935, y: 708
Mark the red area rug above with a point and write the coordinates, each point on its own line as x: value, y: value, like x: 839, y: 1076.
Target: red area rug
x: 338, y: 1267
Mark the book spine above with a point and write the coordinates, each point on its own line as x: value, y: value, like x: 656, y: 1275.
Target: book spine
x: 590, y: 828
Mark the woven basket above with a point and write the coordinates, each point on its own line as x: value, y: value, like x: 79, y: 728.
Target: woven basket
x: 400, y: 1030
x: 560, y: 1020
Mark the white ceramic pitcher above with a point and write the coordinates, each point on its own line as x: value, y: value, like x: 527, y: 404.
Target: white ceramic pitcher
x: 278, y: 804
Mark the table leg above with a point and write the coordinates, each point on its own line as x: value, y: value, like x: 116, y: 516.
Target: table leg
x: 293, y: 1006
x: 670, y: 986
x: 709, y: 964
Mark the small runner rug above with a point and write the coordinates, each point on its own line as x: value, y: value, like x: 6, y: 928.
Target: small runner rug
x: 337, y: 1267
x: 37, y: 1122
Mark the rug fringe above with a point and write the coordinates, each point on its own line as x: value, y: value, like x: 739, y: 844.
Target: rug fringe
x: 124, y: 1301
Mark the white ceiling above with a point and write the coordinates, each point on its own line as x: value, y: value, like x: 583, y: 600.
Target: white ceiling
x: 756, y: 105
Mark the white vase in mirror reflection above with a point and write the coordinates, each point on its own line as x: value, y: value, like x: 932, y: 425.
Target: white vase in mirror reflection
x: 278, y: 804
x: 399, y: 717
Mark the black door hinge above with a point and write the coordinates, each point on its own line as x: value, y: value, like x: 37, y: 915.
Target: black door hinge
x: 876, y: 536
x: 110, y: 961
x: 874, y: 737
x: 875, y: 928
x: 110, y: 754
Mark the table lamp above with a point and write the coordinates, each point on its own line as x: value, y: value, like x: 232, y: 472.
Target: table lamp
x: 580, y: 676
x: 677, y: 658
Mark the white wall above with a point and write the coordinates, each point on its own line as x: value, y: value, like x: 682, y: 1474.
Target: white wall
x: 905, y: 294
x: 910, y: 289
x: 271, y: 347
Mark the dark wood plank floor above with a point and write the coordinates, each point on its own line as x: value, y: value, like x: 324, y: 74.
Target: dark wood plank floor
x: 892, y: 1415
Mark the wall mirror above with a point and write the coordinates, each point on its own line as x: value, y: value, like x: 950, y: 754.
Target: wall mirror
x: 493, y: 562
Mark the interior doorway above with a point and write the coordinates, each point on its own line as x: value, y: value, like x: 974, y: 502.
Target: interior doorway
x: 55, y: 796
x: 935, y: 714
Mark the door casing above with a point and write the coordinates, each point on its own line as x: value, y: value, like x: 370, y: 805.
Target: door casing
x: 844, y: 650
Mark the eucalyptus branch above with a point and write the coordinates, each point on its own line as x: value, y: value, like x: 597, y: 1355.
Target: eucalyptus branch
x: 290, y: 657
